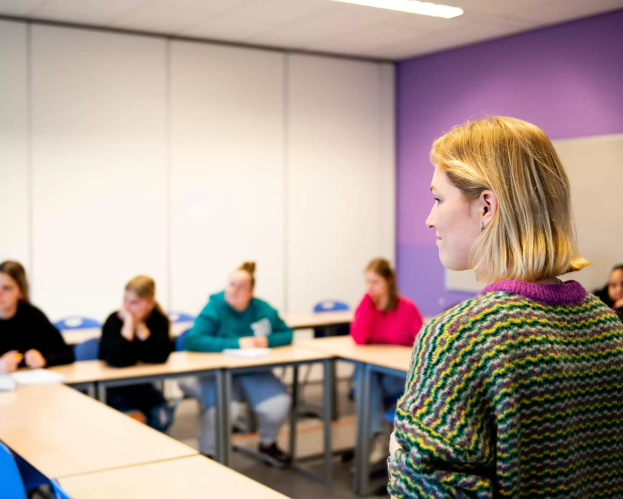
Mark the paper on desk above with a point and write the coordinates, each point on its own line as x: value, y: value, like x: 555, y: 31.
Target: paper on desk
x: 37, y: 377
x: 247, y: 352
x: 7, y: 383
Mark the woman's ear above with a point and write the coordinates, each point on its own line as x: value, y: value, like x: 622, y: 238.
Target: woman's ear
x: 489, y: 206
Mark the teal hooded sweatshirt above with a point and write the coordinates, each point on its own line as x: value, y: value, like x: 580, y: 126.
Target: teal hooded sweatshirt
x: 219, y: 326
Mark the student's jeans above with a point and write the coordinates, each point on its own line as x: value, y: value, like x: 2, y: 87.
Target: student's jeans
x: 384, y: 390
x: 145, y: 398
x: 267, y: 396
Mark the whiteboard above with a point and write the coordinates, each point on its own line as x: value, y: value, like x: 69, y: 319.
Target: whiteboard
x: 595, y: 168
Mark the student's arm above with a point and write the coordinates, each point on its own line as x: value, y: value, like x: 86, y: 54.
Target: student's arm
x: 115, y: 350
x: 203, y: 336
x: 281, y: 334
x: 361, y: 328
x: 157, y: 347
x: 51, y: 344
x: 415, y: 323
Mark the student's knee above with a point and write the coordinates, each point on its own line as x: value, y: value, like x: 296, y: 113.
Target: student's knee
x: 201, y: 389
x: 274, y: 409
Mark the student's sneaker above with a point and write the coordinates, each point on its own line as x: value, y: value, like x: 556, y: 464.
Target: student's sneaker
x: 380, y: 449
x: 277, y: 456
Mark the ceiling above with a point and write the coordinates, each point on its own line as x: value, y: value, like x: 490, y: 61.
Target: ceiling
x: 315, y: 25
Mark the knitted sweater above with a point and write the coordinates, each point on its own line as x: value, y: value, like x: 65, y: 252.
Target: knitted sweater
x: 515, y: 393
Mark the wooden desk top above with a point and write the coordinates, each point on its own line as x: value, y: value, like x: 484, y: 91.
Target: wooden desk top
x: 179, y: 362
x: 189, y: 478
x: 62, y: 432
x: 389, y: 356
x: 278, y: 356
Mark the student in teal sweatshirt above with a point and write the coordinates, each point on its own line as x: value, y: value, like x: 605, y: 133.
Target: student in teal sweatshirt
x: 236, y: 319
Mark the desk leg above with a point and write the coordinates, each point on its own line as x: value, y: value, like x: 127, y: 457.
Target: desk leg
x: 293, y: 413
x: 224, y: 394
x: 328, y: 393
x: 101, y: 392
x: 91, y: 390
x: 362, y: 450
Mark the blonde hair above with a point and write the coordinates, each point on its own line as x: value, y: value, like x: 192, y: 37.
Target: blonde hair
x: 249, y: 268
x: 15, y: 271
x: 532, y: 236
x: 145, y: 287
x: 384, y: 269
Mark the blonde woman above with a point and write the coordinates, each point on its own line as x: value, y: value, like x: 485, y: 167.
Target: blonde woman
x: 139, y: 332
x: 515, y: 393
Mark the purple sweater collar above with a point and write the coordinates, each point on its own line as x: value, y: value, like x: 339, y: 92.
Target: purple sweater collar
x: 567, y: 293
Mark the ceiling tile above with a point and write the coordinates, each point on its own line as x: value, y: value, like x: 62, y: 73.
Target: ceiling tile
x: 284, y: 10
x: 214, y: 6
x: 19, y: 8
x: 227, y: 27
x: 160, y: 19
x: 84, y: 11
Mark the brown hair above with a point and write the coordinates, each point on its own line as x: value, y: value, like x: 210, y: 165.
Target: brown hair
x: 16, y: 271
x: 249, y: 268
x: 145, y: 287
x: 383, y: 268
x: 532, y: 236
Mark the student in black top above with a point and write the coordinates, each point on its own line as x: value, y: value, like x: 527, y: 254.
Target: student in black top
x: 27, y: 337
x: 612, y: 293
x: 139, y: 332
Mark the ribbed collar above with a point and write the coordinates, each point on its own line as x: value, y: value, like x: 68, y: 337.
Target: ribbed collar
x: 567, y: 293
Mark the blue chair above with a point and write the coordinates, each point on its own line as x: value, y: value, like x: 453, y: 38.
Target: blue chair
x: 180, y: 341
x: 331, y: 306
x: 12, y: 483
x: 88, y: 350
x: 390, y: 416
x: 176, y: 317
x: 69, y: 323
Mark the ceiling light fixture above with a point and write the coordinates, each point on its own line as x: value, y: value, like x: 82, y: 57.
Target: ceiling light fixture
x: 411, y: 6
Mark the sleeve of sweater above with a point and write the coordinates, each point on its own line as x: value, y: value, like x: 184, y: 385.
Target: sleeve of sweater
x: 281, y: 334
x: 115, y: 350
x: 443, y: 445
x: 203, y: 337
x: 361, y: 328
x: 51, y: 343
x: 157, y: 348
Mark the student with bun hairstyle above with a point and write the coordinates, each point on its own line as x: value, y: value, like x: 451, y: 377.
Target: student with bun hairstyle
x: 234, y: 319
x: 27, y: 337
x: 139, y: 332
x: 383, y: 318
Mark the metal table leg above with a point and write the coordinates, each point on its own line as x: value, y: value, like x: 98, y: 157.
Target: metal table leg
x: 328, y: 393
x: 362, y: 450
x: 224, y: 394
x: 101, y: 392
x: 293, y: 413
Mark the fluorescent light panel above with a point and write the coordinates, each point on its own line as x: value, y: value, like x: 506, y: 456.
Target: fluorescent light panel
x: 411, y: 6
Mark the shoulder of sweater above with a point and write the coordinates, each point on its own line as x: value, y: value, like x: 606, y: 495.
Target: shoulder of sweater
x: 260, y: 304
x: 29, y: 310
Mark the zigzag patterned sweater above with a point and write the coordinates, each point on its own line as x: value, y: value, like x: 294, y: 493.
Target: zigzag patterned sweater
x: 516, y: 393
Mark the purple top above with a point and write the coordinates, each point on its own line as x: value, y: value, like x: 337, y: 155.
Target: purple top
x: 567, y: 293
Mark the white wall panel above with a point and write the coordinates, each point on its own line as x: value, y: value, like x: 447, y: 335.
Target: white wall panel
x: 227, y: 170
x: 99, y: 167
x: 340, y: 177
x: 14, y: 180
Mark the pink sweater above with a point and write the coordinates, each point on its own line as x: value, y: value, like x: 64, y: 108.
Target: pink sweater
x: 399, y: 327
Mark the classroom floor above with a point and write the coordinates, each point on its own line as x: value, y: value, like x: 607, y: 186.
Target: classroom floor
x: 309, y: 442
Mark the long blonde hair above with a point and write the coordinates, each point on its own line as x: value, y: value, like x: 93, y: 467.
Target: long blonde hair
x: 532, y: 237
x: 145, y: 287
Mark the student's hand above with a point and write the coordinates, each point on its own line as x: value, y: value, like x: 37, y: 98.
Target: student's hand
x: 9, y: 361
x: 34, y: 359
x: 125, y: 316
x: 261, y: 342
x: 142, y: 332
x: 248, y: 342
x: 393, y: 445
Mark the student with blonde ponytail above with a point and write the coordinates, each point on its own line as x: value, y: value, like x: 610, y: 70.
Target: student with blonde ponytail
x: 139, y: 332
x: 234, y: 319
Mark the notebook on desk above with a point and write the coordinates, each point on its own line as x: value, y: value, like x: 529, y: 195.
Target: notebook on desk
x: 29, y: 377
x: 247, y: 352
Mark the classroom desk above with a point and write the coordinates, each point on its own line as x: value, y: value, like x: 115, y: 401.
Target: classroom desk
x: 189, y: 477
x: 295, y: 321
x: 385, y: 359
x: 62, y: 432
x: 96, y: 374
x: 293, y: 356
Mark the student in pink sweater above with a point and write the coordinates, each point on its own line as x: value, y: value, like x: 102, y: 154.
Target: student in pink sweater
x: 384, y: 318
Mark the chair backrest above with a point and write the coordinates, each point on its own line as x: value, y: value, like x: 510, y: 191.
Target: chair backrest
x: 89, y: 350
x: 180, y: 341
x: 331, y: 306
x: 11, y: 484
x: 76, y: 322
x: 181, y: 317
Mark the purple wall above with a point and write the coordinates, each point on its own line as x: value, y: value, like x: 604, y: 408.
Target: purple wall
x: 566, y: 79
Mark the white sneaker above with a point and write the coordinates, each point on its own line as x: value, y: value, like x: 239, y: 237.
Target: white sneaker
x: 380, y: 449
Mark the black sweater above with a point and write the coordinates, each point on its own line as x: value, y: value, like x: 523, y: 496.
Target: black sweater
x: 30, y: 329
x: 119, y: 352
x: 603, y: 295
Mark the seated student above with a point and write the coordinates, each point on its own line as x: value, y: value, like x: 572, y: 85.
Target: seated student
x: 612, y: 293
x: 236, y: 319
x: 139, y: 332
x: 384, y: 318
x: 27, y: 337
